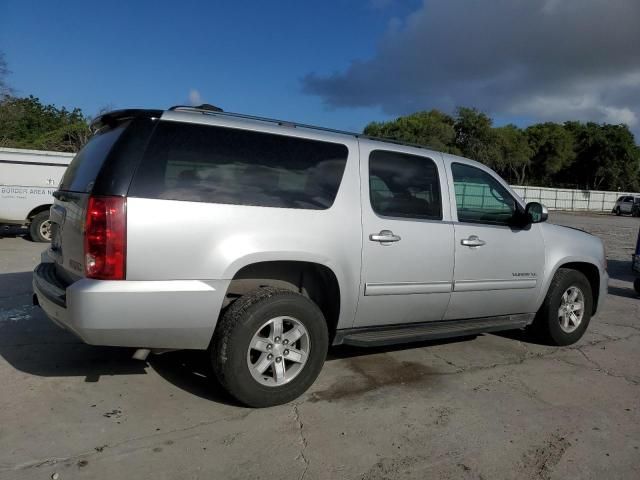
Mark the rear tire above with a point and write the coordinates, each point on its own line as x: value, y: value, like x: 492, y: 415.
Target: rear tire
x: 252, y: 321
x: 617, y: 211
x: 636, y: 285
x: 40, y: 228
x: 559, y: 322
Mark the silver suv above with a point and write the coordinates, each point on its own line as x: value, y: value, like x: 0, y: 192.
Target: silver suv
x: 264, y: 242
x: 627, y: 204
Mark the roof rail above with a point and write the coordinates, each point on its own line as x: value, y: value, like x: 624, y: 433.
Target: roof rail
x: 396, y: 142
x: 207, y: 110
x: 286, y: 123
x: 205, y: 106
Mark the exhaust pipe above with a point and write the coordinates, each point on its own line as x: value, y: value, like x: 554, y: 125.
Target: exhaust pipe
x: 141, y: 354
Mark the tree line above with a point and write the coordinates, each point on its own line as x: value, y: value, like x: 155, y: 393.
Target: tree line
x: 28, y: 123
x: 571, y: 154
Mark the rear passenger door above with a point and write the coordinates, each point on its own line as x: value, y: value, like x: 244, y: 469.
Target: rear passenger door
x: 407, y: 254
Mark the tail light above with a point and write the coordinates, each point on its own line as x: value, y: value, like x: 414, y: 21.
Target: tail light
x: 105, y: 238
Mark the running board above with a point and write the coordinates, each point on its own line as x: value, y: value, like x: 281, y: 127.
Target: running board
x: 416, y: 332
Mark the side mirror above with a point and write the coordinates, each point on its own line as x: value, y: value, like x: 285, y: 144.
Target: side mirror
x: 536, y: 212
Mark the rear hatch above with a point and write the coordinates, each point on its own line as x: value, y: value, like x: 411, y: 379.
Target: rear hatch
x: 68, y: 212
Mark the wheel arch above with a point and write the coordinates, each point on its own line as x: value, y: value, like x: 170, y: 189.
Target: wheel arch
x: 314, y: 280
x: 589, y: 270
x: 39, y: 209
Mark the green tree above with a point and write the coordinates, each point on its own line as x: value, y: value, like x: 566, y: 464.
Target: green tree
x: 475, y: 136
x: 433, y: 129
x: 514, y: 153
x: 606, y: 156
x: 552, y: 150
x: 28, y: 123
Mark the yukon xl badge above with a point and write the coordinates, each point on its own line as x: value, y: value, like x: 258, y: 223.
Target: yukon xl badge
x: 523, y: 274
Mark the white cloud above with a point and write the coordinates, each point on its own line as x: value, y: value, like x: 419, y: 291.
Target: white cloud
x: 620, y: 115
x: 540, y: 59
x: 194, y: 97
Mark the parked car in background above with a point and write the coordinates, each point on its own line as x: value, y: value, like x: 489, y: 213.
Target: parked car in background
x: 627, y: 204
x: 28, y: 179
x: 265, y: 241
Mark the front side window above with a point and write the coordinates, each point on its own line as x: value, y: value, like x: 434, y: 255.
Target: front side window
x: 402, y: 185
x: 480, y: 198
x: 202, y: 163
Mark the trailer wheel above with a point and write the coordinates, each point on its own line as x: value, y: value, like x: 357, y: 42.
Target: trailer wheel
x: 40, y: 228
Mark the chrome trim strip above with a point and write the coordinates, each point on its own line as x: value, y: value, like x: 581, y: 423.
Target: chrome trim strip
x: 406, y: 288
x: 478, y: 285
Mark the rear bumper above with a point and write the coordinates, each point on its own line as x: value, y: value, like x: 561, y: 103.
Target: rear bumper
x: 173, y: 314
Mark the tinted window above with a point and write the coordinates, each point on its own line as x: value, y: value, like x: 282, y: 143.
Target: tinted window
x: 84, y: 168
x: 402, y: 185
x: 480, y: 198
x: 201, y: 163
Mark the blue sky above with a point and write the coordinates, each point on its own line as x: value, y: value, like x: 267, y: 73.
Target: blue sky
x: 337, y: 63
x: 246, y: 57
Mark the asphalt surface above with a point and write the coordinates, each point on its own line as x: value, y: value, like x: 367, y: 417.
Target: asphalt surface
x: 485, y: 407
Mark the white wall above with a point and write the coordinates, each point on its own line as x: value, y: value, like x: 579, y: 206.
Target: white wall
x: 566, y: 199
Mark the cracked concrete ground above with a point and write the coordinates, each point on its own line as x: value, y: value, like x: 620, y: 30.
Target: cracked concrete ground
x: 486, y: 407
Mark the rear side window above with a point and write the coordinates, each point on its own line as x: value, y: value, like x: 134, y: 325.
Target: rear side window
x: 402, y: 185
x: 202, y: 163
x: 85, y: 166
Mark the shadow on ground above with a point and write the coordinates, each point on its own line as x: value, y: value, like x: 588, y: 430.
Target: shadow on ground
x: 620, y: 270
x: 14, y: 231
x: 32, y: 344
x: 191, y: 371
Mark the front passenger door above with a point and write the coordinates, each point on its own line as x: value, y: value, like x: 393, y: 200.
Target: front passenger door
x: 497, y: 265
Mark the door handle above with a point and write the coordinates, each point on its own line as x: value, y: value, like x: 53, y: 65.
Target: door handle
x: 385, y: 236
x: 472, y: 241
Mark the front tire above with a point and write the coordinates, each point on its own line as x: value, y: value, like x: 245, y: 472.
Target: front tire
x: 40, y: 228
x: 617, y: 211
x: 566, y: 311
x: 269, y: 347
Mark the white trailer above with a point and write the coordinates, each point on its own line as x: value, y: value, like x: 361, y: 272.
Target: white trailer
x: 28, y: 179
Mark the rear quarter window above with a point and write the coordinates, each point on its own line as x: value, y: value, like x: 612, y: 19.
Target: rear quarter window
x: 202, y: 163
x: 85, y: 166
